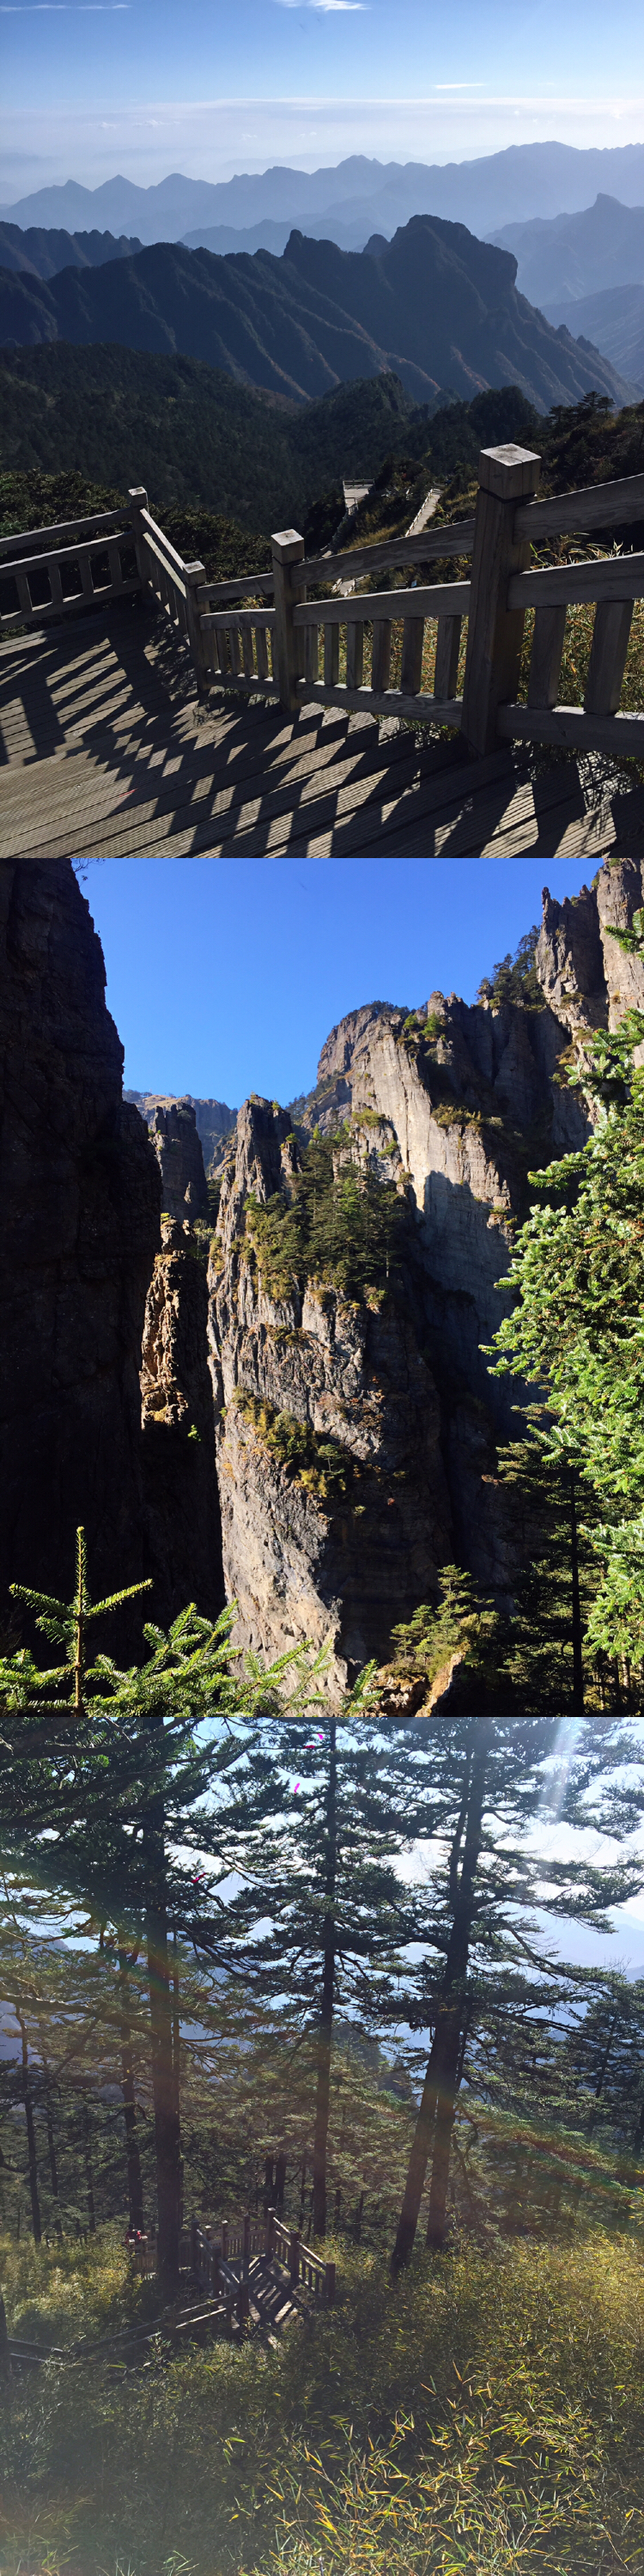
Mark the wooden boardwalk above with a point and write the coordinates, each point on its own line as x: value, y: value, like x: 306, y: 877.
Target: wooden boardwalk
x: 105, y: 752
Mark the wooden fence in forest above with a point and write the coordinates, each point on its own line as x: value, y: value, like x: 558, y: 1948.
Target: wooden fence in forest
x: 268, y: 633
x: 236, y: 2242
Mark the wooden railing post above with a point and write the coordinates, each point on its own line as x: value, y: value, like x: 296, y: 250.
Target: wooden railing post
x: 288, y: 549
x: 139, y: 500
x: 193, y: 574
x: 329, y: 2274
x: 294, y: 2256
x: 507, y: 475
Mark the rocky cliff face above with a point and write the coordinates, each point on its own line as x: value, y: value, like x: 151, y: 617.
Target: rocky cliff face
x: 214, y: 1120
x: 80, y: 1227
x: 177, y: 1146
x: 454, y: 1104
x: 587, y: 979
x: 355, y: 1435
x: 182, y: 1507
x: 345, y: 1538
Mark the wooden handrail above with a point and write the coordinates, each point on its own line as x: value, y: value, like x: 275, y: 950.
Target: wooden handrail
x: 440, y: 599
x: 169, y: 567
x: 65, y: 554
x: 219, y: 620
x: 597, y: 505
x: 74, y: 530
x: 561, y: 585
x: 456, y: 538
x: 169, y: 551
x: 215, y: 593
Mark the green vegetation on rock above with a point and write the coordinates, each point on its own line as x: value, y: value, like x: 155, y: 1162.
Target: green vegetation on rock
x: 341, y: 1224
x: 313, y: 1461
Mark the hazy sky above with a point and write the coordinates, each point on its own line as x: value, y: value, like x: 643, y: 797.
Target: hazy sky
x: 147, y: 86
x: 225, y: 976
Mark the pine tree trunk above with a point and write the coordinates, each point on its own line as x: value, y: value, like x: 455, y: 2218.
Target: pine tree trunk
x: 438, y: 2101
x: 323, y: 2091
x: 132, y: 2157
x: 31, y: 2134
x: 325, y: 2026
x: 166, y: 2100
x: 87, y: 2160
x: 446, y: 2072
x: 577, y: 1637
x: 51, y: 2147
x: 165, y: 2071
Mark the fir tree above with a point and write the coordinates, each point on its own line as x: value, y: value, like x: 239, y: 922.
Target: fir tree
x: 487, y: 1783
x: 323, y: 1918
x: 123, y: 1786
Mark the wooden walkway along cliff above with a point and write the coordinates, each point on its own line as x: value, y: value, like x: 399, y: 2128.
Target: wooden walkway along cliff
x: 146, y: 711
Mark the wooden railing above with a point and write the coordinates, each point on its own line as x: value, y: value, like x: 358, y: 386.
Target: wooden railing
x: 236, y: 639
x: 46, y: 572
x: 237, y: 2241
x: 265, y: 632
x: 509, y: 522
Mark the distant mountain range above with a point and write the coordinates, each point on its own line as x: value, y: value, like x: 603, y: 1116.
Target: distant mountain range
x: 577, y: 255
x: 614, y: 322
x: 435, y: 306
x: 42, y: 253
x: 356, y: 197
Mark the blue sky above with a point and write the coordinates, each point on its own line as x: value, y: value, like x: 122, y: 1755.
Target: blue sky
x: 146, y: 86
x: 225, y: 976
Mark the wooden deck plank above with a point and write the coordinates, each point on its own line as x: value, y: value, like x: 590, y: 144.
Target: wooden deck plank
x: 105, y: 752
x: 255, y: 825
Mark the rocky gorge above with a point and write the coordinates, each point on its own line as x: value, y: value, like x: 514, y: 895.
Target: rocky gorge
x: 221, y: 1410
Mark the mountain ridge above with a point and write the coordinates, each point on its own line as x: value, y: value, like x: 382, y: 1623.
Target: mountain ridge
x: 438, y: 308
x: 491, y: 190
x: 576, y: 255
x: 43, y: 251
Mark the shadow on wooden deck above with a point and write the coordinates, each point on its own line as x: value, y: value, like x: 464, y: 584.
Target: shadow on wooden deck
x: 104, y: 752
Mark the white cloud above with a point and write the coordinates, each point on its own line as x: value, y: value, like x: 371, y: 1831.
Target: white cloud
x: 213, y: 138
x: 326, y: 6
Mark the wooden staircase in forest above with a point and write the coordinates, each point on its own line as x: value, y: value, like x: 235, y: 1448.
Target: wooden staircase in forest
x: 247, y: 2276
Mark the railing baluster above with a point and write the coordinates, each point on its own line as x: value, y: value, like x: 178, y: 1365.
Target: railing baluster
x: 55, y: 585
x: 448, y: 645
x: 545, y: 658
x: 116, y: 569
x: 411, y: 669
x: 381, y: 654
x: 331, y: 656
x: 247, y: 650
x: 311, y: 652
x: 355, y: 654
x: 235, y: 659
x: 611, y: 632
x: 261, y: 643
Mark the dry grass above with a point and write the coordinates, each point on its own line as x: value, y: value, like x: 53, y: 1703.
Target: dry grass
x: 487, y: 2415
